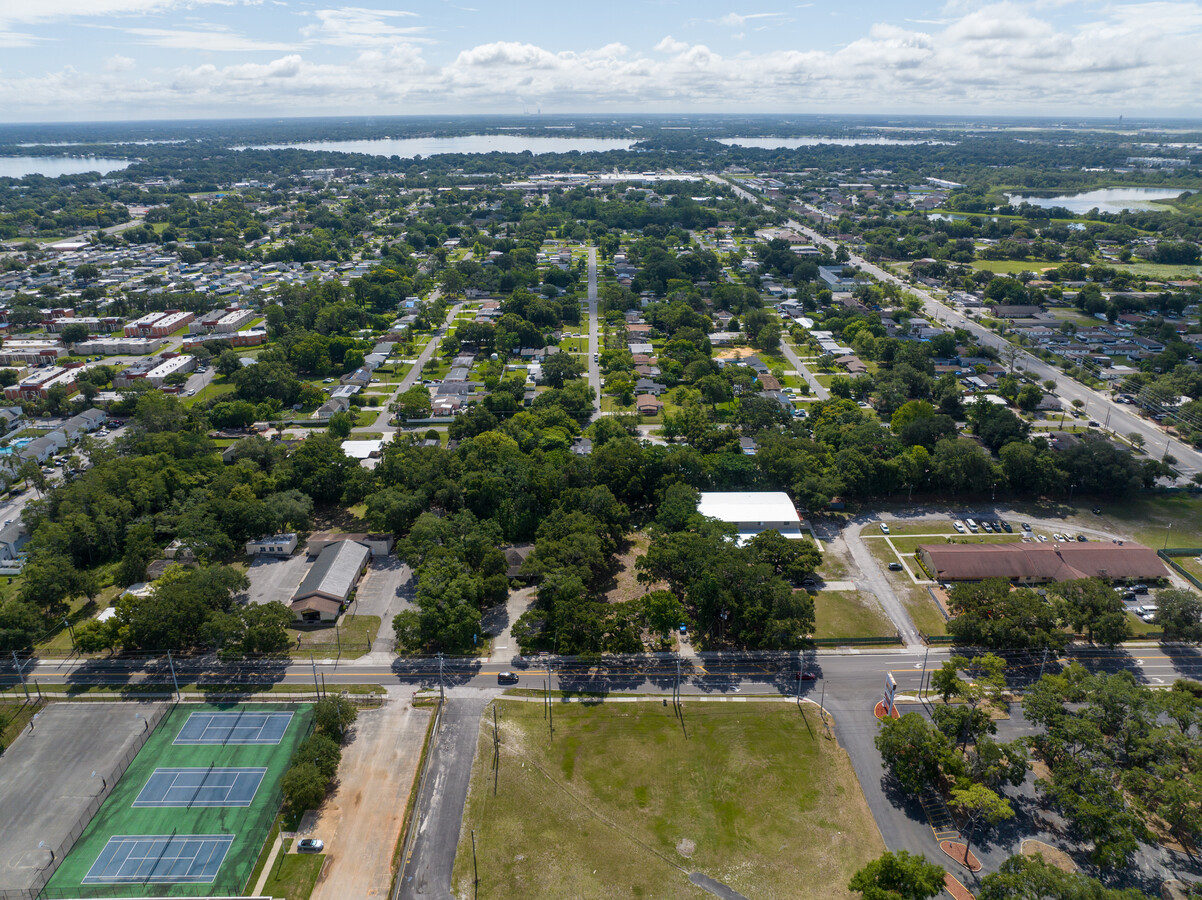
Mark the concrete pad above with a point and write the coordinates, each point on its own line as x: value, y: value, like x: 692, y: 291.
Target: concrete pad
x: 46, y: 783
x: 272, y: 578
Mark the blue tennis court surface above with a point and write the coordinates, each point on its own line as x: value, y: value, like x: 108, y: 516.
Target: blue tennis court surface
x: 234, y: 728
x: 200, y: 787
x: 160, y: 859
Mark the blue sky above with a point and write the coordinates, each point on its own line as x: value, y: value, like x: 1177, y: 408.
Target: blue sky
x: 141, y: 59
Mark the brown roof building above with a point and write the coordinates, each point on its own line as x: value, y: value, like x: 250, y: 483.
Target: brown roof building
x: 1037, y: 563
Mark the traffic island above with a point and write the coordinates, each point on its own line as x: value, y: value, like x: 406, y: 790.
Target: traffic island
x: 961, y: 854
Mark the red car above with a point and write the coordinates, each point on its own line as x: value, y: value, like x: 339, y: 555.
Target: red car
x: 805, y: 676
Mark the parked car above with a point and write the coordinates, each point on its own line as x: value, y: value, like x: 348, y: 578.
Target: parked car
x: 895, y: 567
x: 310, y: 845
x: 1026, y: 526
x: 1042, y: 538
x: 1082, y: 538
x: 1140, y: 589
x: 987, y: 527
x: 960, y: 527
x: 884, y: 528
x: 506, y: 678
x: 1008, y: 529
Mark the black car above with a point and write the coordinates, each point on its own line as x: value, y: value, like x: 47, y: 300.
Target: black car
x: 895, y: 567
x: 1006, y: 525
x: 1140, y: 589
x: 506, y: 678
x: 309, y: 845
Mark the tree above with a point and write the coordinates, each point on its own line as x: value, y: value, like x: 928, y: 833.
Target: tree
x: 322, y: 752
x: 1137, y: 440
x: 979, y: 806
x: 1180, y: 614
x: 561, y: 367
x: 20, y: 624
x: 1027, y: 877
x: 913, y: 751
x: 228, y: 363
x: 414, y: 403
x: 1091, y: 607
x: 74, y: 333
x: 898, y: 876
x: 341, y: 424
x: 304, y: 787
x: 334, y: 715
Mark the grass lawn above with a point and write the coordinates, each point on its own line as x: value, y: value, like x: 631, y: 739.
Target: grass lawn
x: 354, y: 636
x: 833, y: 567
x: 907, y: 545
x: 628, y: 798
x: 849, y: 614
x: 293, y: 875
x: 1012, y: 266
x: 914, y: 597
x: 927, y: 526
x: 15, y: 715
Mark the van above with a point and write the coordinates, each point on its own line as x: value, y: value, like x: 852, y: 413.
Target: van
x: 1146, y: 609
x: 972, y: 525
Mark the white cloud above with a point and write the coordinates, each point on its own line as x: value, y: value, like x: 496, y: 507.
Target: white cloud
x: 210, y: 40
x: 31, y: 11
x: 992, y: 57
x: 357, y: 27
x: 119, y: 63
x: 734, y: 20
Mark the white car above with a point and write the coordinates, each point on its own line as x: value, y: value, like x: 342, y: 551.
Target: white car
x: 884, y: 528
x: 1043, y: 538
x: 959, y: 526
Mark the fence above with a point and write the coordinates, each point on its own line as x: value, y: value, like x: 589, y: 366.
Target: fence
x: 846, y: 641
x: 230, y: 696
x: 59, y: 853
x: 1167, y: 556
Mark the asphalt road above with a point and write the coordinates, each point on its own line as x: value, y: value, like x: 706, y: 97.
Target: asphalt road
x: 1117, y: 417
x: 426, y: 871
x: 819, y: 391
x: 594, y: 343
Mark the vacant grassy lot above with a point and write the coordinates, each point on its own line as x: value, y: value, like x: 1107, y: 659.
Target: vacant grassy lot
x: 907, y: 545
x: 293, y: 875
x: 849, y: 614
x: 626, y: 801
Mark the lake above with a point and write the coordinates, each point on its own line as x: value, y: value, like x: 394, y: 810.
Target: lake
x: 408, y: 148
x: 782, y: 143
x: 53, y: 166
x: 1107, y: 200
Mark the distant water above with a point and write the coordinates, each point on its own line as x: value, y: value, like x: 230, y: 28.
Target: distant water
x: 53, y: 166
x: 783, y: 143
x: 408, y: 148
x: 1107, y: 200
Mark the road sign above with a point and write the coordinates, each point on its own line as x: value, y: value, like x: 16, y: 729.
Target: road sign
x: 890, y: 692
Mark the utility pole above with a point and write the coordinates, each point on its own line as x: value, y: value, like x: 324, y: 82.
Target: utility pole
x: 1043, y: 662
x: 550, y: 706
x: 1168, y: 531
x: 316, y: 687
x: 922, y: 682
x: 174, y: 680
x: 440, y: 690
x: 17, y: 663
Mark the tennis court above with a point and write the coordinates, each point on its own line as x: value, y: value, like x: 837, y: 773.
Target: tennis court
x: 192, y: 810
x: 234, y: 728
x: 160, y: 859
x: 201, y: 787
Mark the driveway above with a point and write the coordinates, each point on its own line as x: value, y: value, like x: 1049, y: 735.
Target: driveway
x: 361, y: 822
x: 439, y: 811
x: 385, y: 590
x: 272, y: 578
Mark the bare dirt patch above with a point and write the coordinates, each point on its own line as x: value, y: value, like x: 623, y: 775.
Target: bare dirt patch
x: 1051, y: 855
x: 685, y: 847
x: 624, y: 584
x: 361, y: 822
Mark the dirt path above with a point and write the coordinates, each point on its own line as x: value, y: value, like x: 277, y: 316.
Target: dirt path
x: 361, y: 822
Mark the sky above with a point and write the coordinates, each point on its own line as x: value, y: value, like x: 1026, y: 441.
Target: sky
x: 73, y: 60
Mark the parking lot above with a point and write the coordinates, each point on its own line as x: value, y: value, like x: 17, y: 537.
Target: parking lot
x: 272, y: 578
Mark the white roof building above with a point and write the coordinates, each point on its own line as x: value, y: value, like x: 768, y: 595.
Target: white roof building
x: 752, y: 512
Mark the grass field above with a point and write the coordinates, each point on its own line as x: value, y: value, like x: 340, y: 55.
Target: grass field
x: 627, y: 799
x: 1012, y: 266
x: 849, y: 614
x: 293, y: 875
x: 249, y: 825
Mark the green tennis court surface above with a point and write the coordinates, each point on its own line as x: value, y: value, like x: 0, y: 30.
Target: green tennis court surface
x: 192, y: 810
